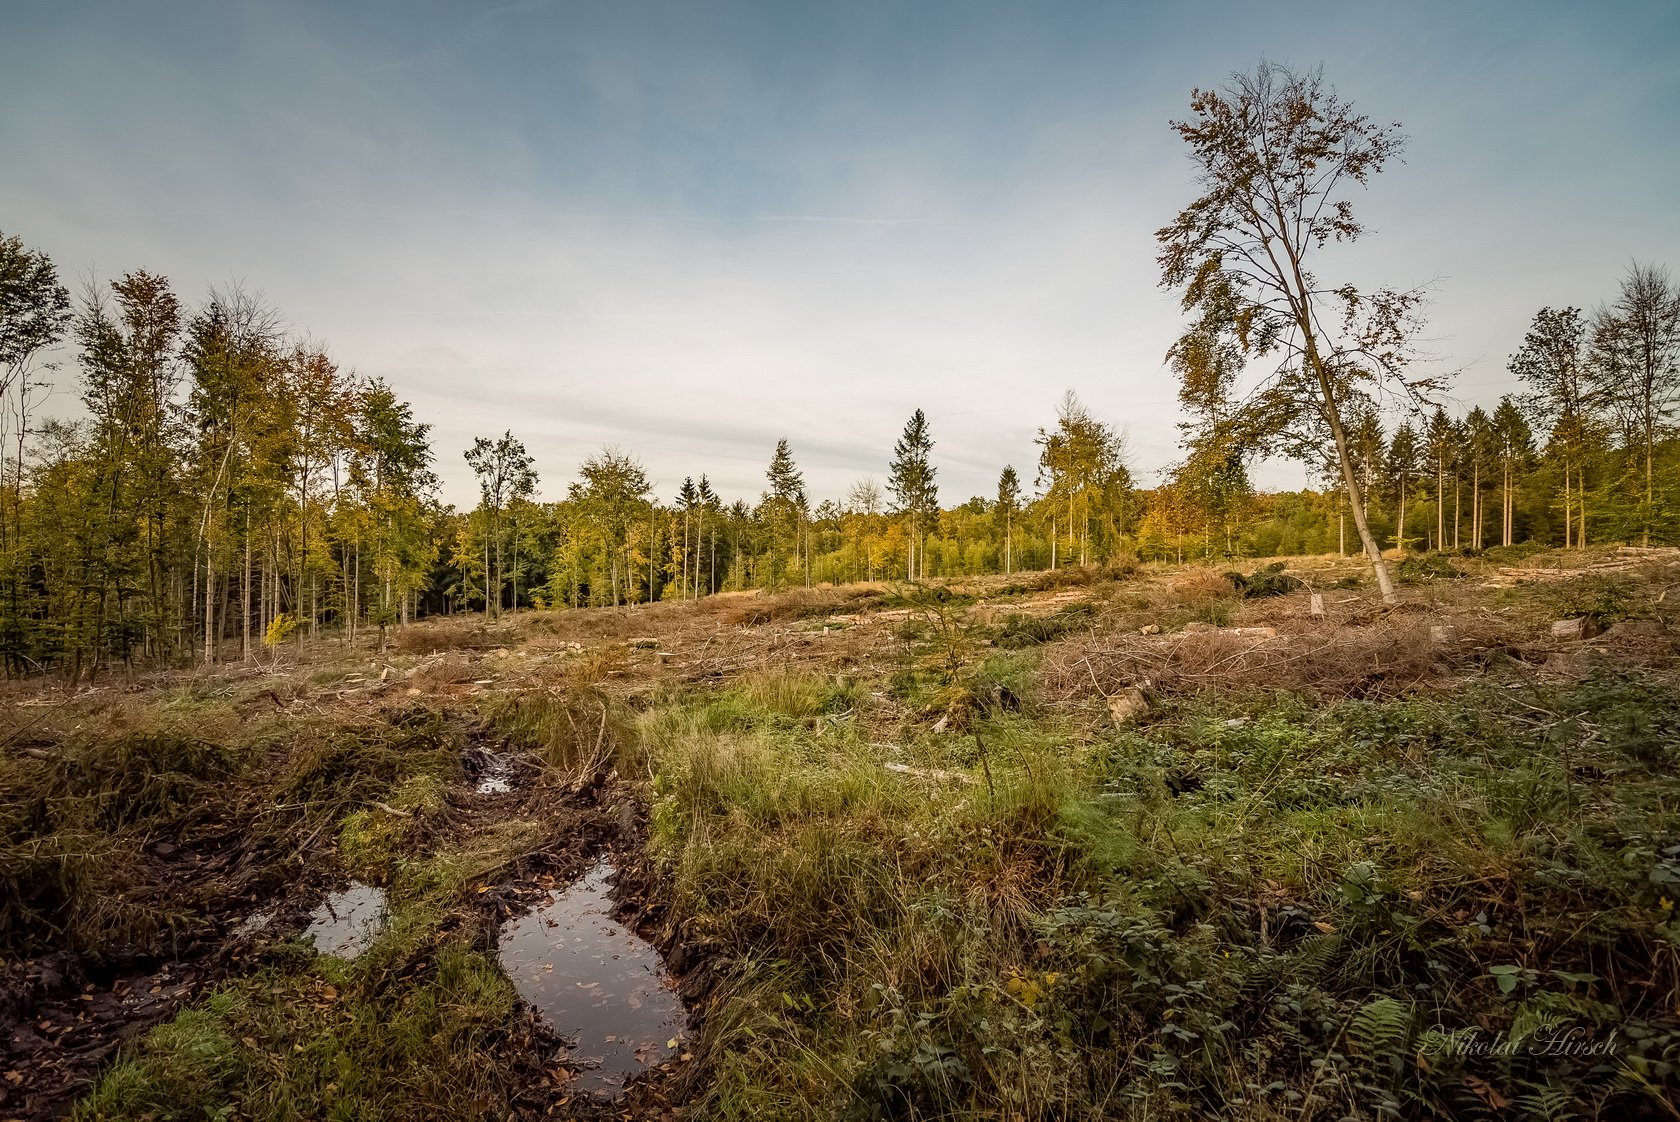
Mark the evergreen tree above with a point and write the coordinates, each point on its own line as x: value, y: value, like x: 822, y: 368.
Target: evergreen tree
x: 1404, y: 462
x: 1441, y: 441
x: 1008, y: 502
x: 1514, y: 442
x: 784, y: 511
x: 915, y: 494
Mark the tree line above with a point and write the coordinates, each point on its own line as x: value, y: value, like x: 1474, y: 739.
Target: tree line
x: 232, y: 487
x: 229, y: 485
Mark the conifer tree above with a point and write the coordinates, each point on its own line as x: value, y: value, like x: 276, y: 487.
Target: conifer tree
x: 1008, y: 502
x: 915, y: 494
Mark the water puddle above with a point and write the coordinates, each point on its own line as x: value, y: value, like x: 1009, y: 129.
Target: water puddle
x: 347, y: 921
x: 497, y: 776
x: 599, y: 984
x: 254, y: 923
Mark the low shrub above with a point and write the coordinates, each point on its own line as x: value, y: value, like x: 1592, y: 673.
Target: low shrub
x: 1269, y: 580
x: 1422, y: 568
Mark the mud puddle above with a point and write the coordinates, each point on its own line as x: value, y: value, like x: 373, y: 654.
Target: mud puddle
x: 599, y: 985
x: 496, y: 776
x: 347, y: 921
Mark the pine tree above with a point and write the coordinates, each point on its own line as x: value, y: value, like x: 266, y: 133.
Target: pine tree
x: 1403, y: 465
x: 915, y: 494
x: 1008, y: 502
x: 1441, y: 441
x: 687, y: 499
x: 784, y: 510
x: 1514, y: 442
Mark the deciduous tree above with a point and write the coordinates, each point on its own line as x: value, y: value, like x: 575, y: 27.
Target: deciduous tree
x: 1276, y: 153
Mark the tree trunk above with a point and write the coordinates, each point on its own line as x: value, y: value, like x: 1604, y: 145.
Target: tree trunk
x: 1400, y: 516
x: 1458, y: 515
x: 1506, y: 528
x: 245, y: 604
x: 1581, y: 493
x: 356, y: 590
x: 209, y: 609
x: 1379, y: 568
x: 1440, y: 505
x: 1476, y: 507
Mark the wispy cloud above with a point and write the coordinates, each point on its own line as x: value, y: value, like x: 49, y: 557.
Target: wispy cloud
x: 691, y: 229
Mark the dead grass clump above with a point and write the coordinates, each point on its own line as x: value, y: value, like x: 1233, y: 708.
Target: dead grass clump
x: 801, y: 603
x: 581, y: 732
x: 449, y: 670
x: 1019, y: 630
x: 1072, y: 576
x: 451, y: 633
x: 1196, y: 589
x: 1382, y: 661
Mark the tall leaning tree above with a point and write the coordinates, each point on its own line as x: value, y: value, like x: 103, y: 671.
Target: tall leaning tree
x: 1277, y: 154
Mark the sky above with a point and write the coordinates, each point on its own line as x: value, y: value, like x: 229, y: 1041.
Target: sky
x: 688, y: 229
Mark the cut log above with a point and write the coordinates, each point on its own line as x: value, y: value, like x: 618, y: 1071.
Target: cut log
x: 1127, y: 706
x: 1581, y: 627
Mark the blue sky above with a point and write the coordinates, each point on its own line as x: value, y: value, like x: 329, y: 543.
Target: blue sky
x: 688, y: 229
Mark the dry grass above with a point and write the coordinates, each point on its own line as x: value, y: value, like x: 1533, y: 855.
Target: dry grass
x: 1195, y: 588
x: 1387, y: 659
x: 452, y: 669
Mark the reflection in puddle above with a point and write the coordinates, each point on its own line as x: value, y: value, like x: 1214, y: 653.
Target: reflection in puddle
x: 497, y: 776
x: 347, y: 921
x: 596, y: 982
x: 253, y: 923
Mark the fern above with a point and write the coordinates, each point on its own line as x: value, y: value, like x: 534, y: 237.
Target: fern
x: 1549, y: 1103
x: 1383, y: 1030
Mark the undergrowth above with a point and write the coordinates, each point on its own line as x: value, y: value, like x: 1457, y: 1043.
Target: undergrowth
x: 1251, y: 907
x: 81, y: 821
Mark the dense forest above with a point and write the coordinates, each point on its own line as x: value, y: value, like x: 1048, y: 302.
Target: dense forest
x: 231, y: 485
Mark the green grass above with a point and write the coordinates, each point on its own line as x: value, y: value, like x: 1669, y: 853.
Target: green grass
x: 322, y: 1040
x: 1251, y: 905
x: 1247, y: 906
